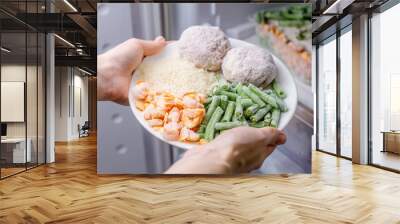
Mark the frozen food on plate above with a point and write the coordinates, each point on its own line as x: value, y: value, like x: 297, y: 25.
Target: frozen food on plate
x: 249, y: 64
x: 233, y: 105
x: 205, y: 46
x: 179, y: 101
x: 177, y: 118
x: 174, y: 74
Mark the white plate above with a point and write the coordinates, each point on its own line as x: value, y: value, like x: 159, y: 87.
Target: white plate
x: 284, y: 78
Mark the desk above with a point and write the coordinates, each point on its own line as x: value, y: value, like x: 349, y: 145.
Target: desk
x: 391, y: 141
x: 16, y: 147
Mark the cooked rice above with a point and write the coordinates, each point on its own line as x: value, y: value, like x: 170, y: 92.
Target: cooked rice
x: 176, y: 75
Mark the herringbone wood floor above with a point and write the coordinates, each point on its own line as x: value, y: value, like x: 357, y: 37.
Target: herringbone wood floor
x: 70, y: 191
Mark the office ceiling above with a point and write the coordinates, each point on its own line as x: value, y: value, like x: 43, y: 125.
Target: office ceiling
x: 330, y: 15
x: 40, y: 6
x: 75, y: 21
x: 16, y: 42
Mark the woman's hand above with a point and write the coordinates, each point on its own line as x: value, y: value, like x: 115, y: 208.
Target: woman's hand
x: 116, y: 66
x: 239, y: 150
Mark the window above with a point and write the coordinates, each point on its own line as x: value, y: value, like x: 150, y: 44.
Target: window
x: 327, y: 96
x: 385, y: 89
x: 335, y: 137
x: 346, y: 93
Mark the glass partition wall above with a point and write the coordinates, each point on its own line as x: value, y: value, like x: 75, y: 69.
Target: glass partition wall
x: 22, y: 98
x: 13, y: 110
x: 334, y: 83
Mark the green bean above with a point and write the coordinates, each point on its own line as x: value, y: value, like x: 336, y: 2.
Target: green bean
x: 237, y: 105
x: 292, y: 23
x: 268, y: 91
x: 208, y: 101
x: 272, y: 15
x: 229, y: 112
x: 238, y: 115
x: 290, y: 14
x: 295, y: 15
x: 281, y: 104
x: 268, y: 118
x: 231, y: 96
x: 201, y: 135
x: 303, y: 35
x: 278, y: 90
x: 234, y: 87
x: 260, y: 114
x: 253, y: 96
x: 250, y: 111
x: 211, y: 108
x: 246, y: 103
x: 223, y: 102
x: 201, y: 129
x: 210, y: 129
x: 235, y: 118
x: 221, y: 88
x: 238, y: 86
x: 239, y: 90
x: 260, y: 124
x: 276, y: 113
x: 265, y: 97
x: 260, y: 17
x: 227, y: 125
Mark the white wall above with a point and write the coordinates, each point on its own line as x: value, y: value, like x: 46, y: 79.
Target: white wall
x: 12, y: 73
x: 15, y: 72
x: 67, y: 115
x: 12, y: 101
x: 62, y: 81
x: 82, y: 83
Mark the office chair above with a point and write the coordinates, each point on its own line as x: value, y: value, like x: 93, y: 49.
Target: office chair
x: 84, y: 130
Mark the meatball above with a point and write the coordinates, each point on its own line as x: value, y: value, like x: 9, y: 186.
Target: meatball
x: 249, y: 65
x: 205, y: 46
